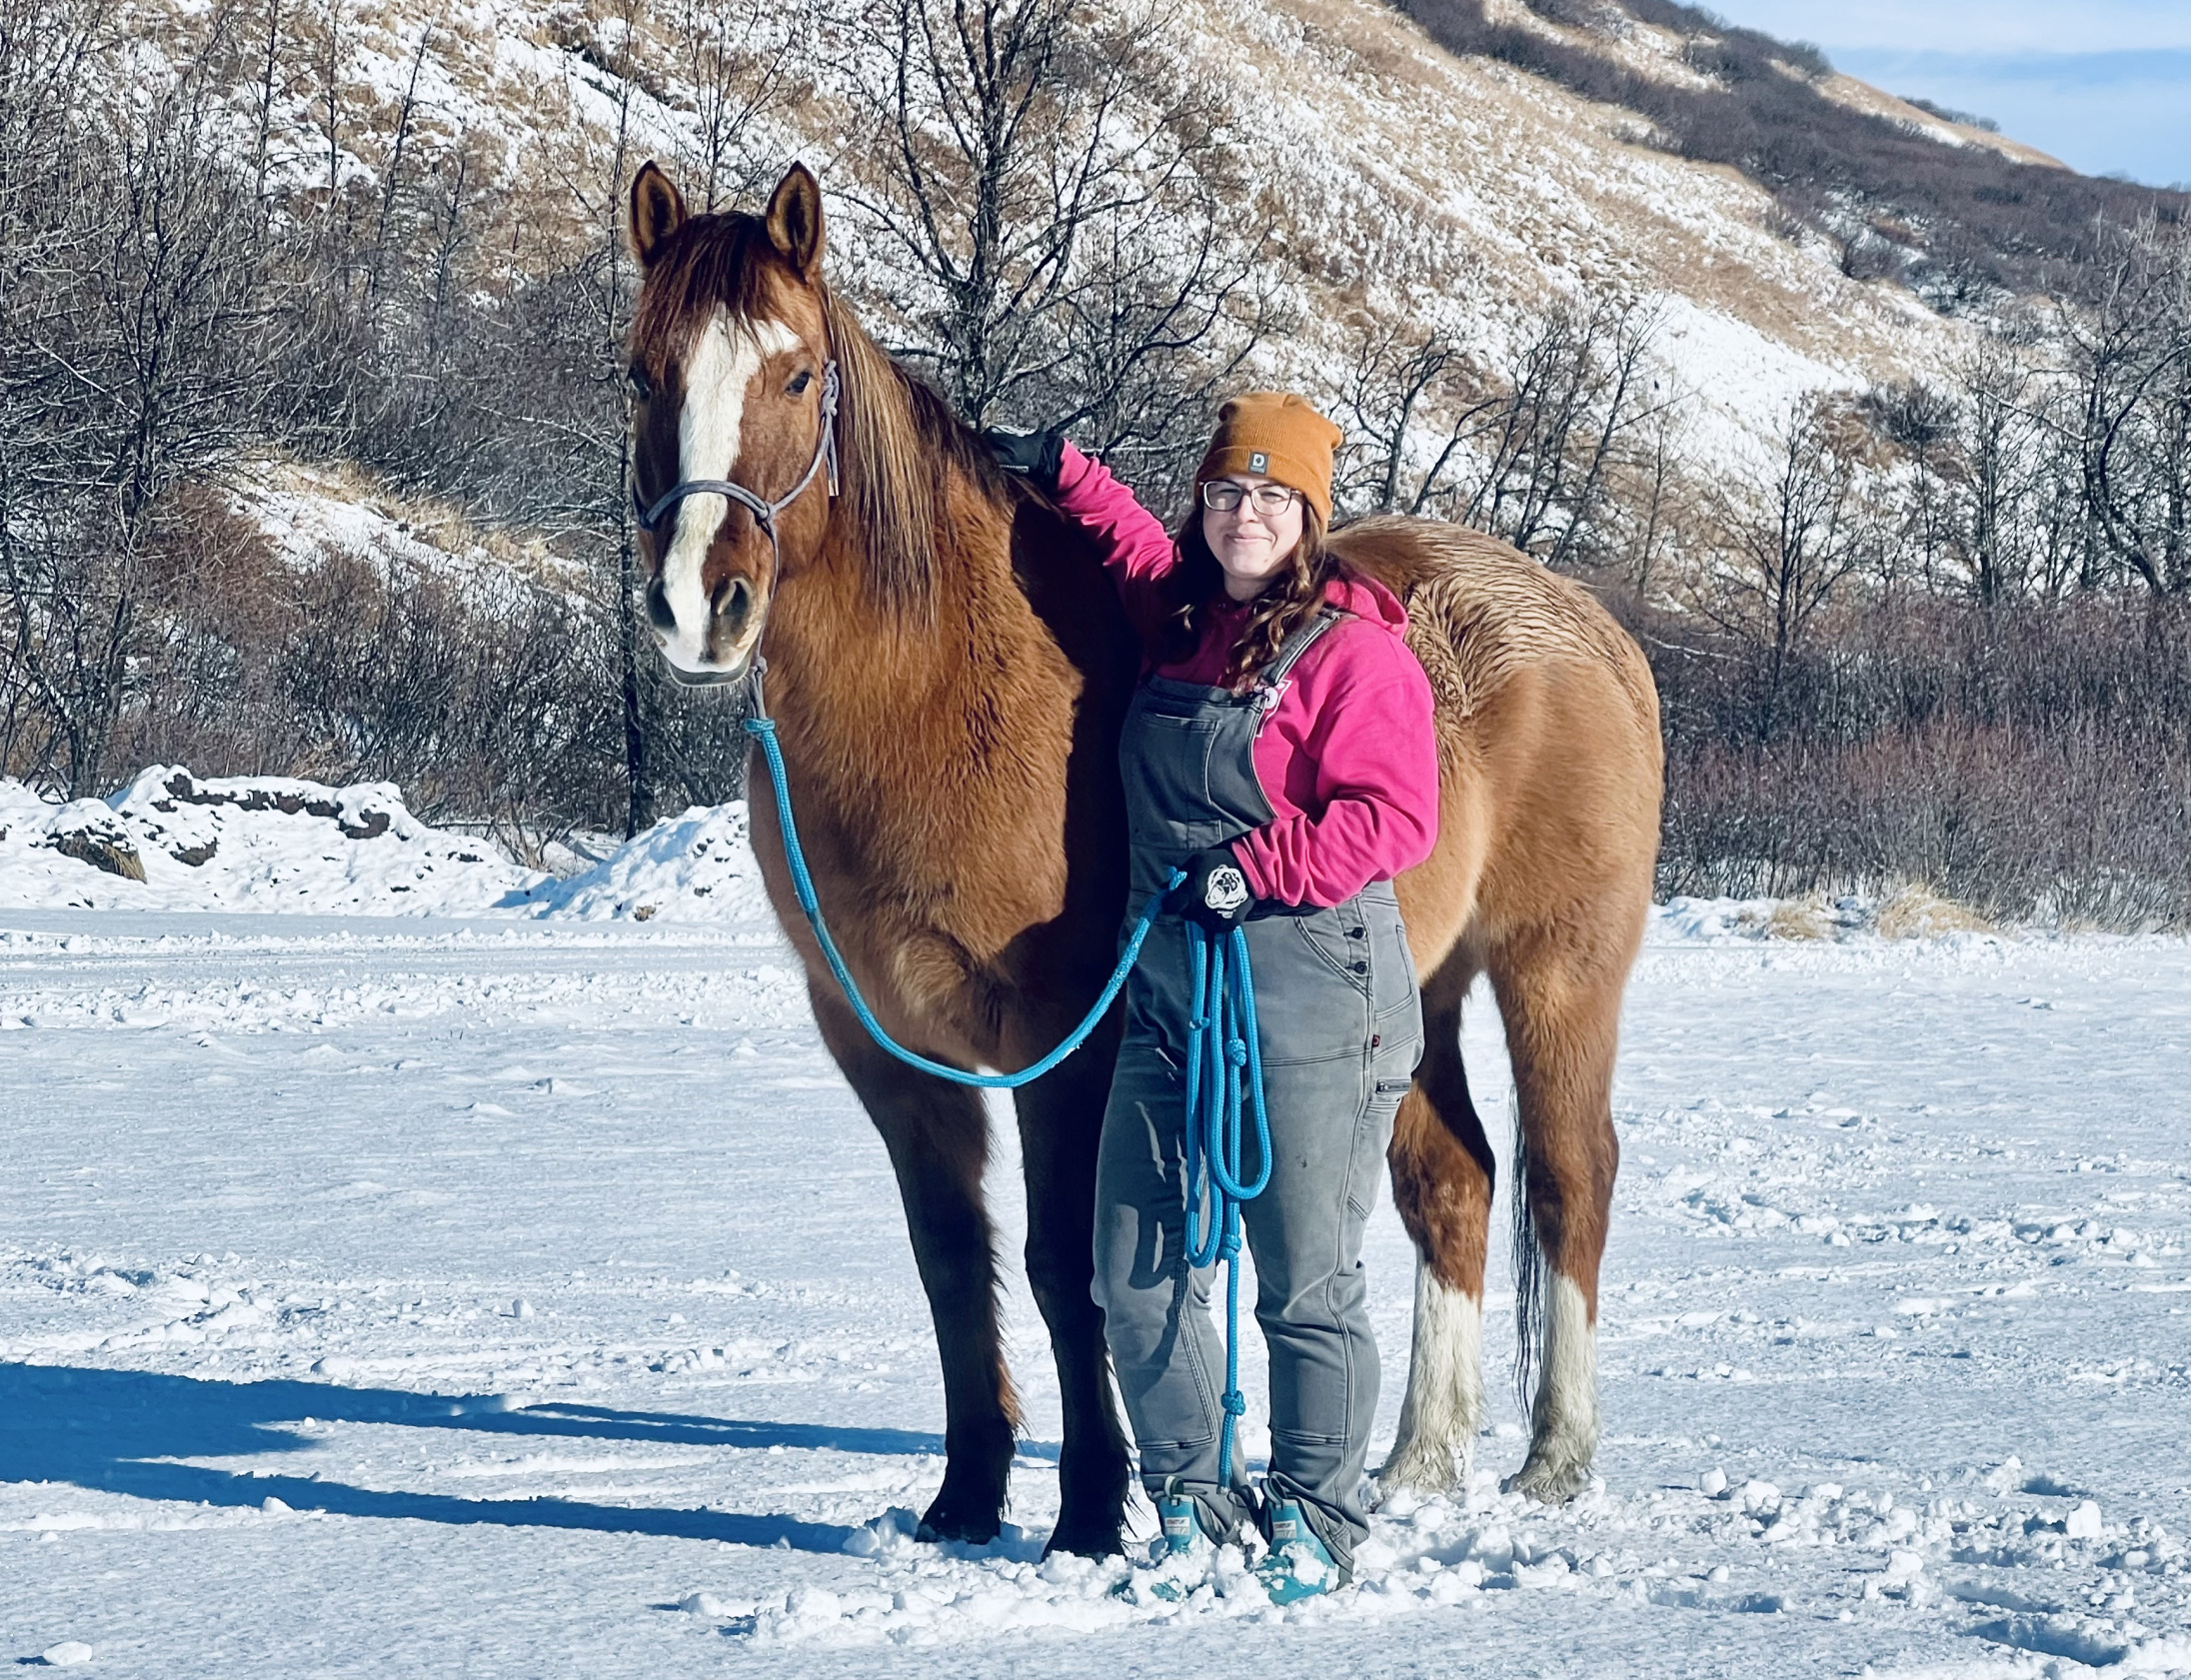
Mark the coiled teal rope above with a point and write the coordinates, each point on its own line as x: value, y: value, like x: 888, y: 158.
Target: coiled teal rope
x: 1223, y: 1062
x: 1224, y: 1054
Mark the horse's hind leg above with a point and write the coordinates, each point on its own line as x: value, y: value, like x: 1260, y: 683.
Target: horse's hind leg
x: 1061, y: 1121
x: 1441, y: 1184
x: 937, y: 1137
x: 1559, y: 993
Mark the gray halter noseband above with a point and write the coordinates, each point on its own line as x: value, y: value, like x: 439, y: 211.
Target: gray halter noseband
x: 764, y: 513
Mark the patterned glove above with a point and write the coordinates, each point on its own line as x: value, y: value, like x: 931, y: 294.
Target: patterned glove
x: 1215, y: 893
x: 1036, y: 457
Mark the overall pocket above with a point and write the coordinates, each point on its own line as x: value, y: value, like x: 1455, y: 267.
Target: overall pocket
x: 1340, y: 939
x: 1309, y: 1005
x: 1372, y: 1137
x: 1396, y: 1001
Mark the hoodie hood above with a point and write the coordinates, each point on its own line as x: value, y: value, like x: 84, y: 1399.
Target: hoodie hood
x: 1366, y: 598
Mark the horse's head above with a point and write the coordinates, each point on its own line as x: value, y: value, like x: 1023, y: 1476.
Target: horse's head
x: 729, y: 355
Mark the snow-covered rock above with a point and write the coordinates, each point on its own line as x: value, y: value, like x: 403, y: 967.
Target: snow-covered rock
x: 172, y: 840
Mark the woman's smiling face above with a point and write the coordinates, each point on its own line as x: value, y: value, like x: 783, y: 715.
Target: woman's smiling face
x: 1250, y: 544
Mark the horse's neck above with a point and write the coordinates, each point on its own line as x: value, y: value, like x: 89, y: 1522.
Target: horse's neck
x: 877, y: 706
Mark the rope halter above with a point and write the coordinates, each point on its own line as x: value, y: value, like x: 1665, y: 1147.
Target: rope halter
x: 764, y: 514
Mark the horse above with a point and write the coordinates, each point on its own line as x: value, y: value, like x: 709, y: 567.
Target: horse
x: 948, y: 666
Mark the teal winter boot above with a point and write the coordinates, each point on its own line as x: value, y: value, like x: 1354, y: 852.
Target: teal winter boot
x: 1184, y: 1556
x: 1300, y: 1564
x: 1182, y: 1529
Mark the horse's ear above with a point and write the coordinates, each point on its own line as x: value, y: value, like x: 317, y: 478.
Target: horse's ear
x: 795, y: 220
x: 658, y: 211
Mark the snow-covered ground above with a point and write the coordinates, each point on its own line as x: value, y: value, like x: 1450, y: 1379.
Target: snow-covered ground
x: 525, y: 1294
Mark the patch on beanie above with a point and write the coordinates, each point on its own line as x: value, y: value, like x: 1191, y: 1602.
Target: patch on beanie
x: 1258, y: 462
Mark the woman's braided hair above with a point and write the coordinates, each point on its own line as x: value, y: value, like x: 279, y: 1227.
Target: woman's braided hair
x: 1286, y: 603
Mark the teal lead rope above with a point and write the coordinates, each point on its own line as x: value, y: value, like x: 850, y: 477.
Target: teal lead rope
x: 1223, y: 1058
x: 762, y: 729
x: 1223, y: 1055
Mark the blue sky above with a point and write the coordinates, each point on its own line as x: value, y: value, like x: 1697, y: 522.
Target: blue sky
x: 2104, y: 85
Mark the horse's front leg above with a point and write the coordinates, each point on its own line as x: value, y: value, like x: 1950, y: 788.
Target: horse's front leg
x: 937, y: 1137
x: 1060, y: 1121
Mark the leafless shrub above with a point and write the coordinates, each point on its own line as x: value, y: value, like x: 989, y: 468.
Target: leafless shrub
x: 2072, y: 826
x: 2027, y: 761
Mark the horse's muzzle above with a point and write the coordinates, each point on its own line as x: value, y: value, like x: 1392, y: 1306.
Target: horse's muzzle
x: 726, y: 679
x: 728, y: 634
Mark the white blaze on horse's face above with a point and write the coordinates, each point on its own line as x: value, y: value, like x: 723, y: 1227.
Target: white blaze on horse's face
x: 727, y: 357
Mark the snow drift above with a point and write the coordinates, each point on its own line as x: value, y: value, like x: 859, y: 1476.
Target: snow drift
x: 173, y: 840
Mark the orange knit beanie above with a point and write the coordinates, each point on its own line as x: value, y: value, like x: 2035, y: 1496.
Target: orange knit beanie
x: 1275, y: 434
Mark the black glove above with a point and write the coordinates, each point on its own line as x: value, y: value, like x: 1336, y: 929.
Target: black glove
x: 1215, y: 893
x: 1036, y: 457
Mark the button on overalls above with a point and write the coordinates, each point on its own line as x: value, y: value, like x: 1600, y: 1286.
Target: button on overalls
x: 1340, y: 1031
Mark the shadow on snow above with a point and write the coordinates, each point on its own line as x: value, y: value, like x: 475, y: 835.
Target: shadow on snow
x: 127, y: 1431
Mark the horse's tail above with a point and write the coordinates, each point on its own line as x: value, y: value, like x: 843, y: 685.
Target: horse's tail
x: 1528, y: 1267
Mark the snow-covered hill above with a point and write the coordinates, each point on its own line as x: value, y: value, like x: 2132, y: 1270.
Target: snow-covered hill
x: 1412, y: 186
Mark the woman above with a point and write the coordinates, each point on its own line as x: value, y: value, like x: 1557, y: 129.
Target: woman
x: 1280, y: 751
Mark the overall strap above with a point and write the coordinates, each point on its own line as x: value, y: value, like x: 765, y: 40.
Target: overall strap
x: 1271, y: 682
x: 1298, y: 644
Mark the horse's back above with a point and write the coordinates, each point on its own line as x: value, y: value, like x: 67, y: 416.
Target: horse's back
x: 1548, y: 743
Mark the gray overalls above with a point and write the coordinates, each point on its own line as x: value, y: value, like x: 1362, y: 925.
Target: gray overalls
x: 1340, y: 1029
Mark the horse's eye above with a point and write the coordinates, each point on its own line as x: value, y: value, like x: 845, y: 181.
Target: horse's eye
x: 800, y: 382
x: 642, y: 387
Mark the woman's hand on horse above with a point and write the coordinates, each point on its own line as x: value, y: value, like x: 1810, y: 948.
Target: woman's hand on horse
x: 1036, y: 457
x: 1216, y: 891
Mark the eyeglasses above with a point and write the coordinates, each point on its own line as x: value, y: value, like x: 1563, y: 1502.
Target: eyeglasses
x: 1222, y: 495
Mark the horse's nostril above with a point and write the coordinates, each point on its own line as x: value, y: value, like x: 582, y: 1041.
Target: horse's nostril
x: 658, y: 608
x: 733, y: 601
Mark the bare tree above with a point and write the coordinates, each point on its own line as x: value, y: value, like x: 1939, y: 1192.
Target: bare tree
x: 1395, y: 381
x: 140, y: 327
x: 1577, y: 383
x: 1161, y: 320
x: 2002, y: 457
x: 1788, y: 544
x: 1039, y: 163
x: 2129, y: 358
x: 738, y: 60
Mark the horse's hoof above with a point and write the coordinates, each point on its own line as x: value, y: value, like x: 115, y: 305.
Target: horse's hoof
x: 972, y: 1528
x: 1102, y: 1537
x: 1425, y: 1473
x: 1546, y: 1482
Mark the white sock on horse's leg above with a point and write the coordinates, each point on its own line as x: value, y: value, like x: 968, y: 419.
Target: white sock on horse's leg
x: 1443, y: 1408
x: 1563, y: 1438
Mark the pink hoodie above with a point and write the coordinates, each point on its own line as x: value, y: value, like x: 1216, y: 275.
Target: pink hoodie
x: 1349, y: 759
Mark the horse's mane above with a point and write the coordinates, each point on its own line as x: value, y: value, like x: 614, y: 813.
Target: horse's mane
x: 898, y: 439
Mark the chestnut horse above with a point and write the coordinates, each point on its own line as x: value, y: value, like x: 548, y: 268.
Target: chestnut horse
x: 948, y: 667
